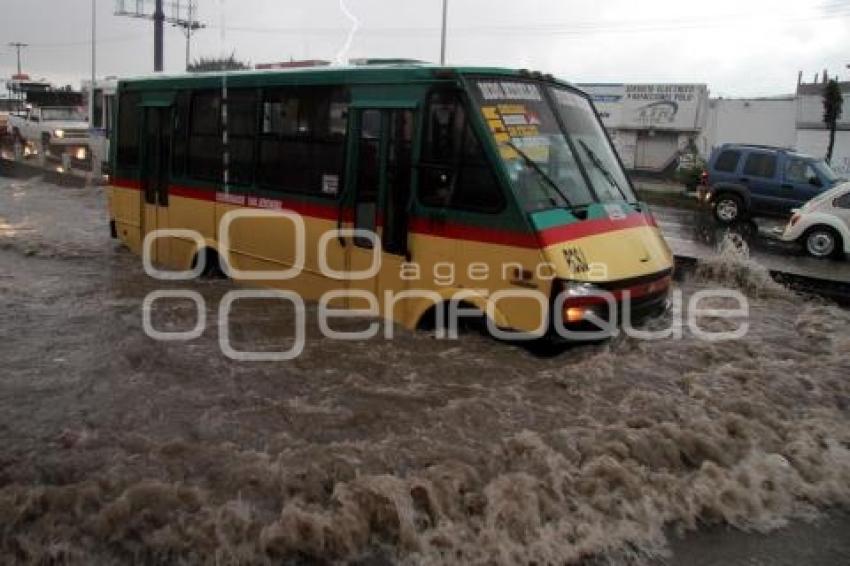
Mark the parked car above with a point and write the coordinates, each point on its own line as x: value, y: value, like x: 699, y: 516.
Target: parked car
x: 822, y: 225
x: 745, y: 181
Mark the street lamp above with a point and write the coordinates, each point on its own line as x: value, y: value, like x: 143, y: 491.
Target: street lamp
x: 93, y: 61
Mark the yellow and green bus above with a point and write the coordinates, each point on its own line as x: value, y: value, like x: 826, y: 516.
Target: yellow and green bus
x: 479, y: 183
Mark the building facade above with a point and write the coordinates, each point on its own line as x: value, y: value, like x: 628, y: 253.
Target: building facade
x: 763, y: 121
x: 651, y: 124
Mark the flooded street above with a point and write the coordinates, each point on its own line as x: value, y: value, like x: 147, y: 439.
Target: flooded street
x: 696, y: 234
x: 118, y: 448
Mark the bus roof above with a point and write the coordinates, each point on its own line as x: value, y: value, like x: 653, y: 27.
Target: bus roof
x: 357, y: 74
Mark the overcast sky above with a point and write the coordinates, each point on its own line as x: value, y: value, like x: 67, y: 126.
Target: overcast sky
x: 737, y: 47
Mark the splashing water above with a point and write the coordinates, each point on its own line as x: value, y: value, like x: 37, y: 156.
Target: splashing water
x: 355, y: 25
x: 734, y: 267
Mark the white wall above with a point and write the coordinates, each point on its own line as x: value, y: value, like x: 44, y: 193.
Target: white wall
x: 625, y: 142
x: 810, y: 111
x: 814, y: 142
x: 770, y: 121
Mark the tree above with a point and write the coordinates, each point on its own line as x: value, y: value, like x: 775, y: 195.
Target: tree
x: 208, y: 64
x: 832, y: 106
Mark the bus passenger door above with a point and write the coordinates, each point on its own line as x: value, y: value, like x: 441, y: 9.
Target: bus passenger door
x: 155, y: 178
x: 395, y: 207
x: 382, y: 200
x: 367, y: 187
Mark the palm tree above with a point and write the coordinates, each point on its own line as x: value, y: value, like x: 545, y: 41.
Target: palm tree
x: 832, y: 106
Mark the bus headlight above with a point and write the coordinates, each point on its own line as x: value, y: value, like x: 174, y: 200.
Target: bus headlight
x: 574, y: 314
x: 59, y: 133
x: 81, y: 154
x: 578, y: 299
x: 581, y: 289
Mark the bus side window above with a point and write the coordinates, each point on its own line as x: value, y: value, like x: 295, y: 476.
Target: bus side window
x: 454, y: 171
x: 439, y: 151
x: 97, y: 108
x: 241, y: 132
x: 399, y: 162
x: 109, y: 124
x: 302, y: 139
x: 181, y: 130
x: 205, y: 145
x: 128, y: 131
x: 368, y: 174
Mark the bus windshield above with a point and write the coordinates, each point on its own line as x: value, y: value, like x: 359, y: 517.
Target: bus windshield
x: 595, y: 151
x: 542, y: 160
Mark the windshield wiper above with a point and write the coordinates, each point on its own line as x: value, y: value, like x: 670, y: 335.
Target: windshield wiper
x: 602, y: 169
x: 531, y: 163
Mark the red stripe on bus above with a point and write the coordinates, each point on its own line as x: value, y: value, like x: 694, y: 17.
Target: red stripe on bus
x: 328, y: 212
x: 586, y: 228
x: 427, y: 226
x: 191, y: 192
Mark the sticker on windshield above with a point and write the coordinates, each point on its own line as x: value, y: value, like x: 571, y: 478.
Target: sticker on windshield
x: 523, y: 131
x: 515, y: 120
x: 517, y: 124
x: 614, y: 211
x: 503, y: 90
x: 490, y: 112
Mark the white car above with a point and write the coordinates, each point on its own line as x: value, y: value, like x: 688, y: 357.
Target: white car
x: 822, y: 226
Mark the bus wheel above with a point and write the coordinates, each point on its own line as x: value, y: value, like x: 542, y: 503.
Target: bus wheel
x: 430, y: 321
x: 212, y: 264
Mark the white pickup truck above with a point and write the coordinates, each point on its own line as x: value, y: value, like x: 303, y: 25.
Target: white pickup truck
x: 54, y: 130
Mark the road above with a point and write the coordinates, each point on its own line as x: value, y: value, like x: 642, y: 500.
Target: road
x: 115, y: 447
x: 695, y: 234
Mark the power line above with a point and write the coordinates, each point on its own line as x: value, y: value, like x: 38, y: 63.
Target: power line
x: 86, y: 42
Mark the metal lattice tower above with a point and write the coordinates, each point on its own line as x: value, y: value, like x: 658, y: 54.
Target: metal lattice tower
x: 178, y: 13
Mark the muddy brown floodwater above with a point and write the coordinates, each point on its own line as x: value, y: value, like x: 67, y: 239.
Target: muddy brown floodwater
x: 115, y: 448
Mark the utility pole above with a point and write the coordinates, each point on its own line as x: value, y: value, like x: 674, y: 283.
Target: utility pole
x: 443, y: 35
x: 19, y: 46
x: 158, y: 33
x: 93, y: 61
x: 189, y: 36
x: 190, y: 25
